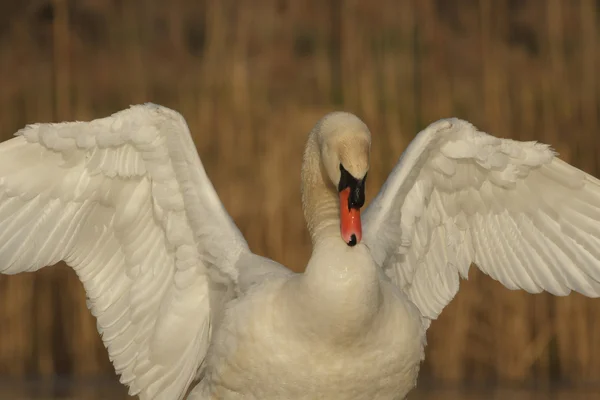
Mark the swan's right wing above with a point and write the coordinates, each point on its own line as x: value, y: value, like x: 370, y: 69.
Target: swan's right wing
x: 125, y: 201
x: 460, y: 196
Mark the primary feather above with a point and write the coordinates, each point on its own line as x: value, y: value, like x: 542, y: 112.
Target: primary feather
x: 460, y: 196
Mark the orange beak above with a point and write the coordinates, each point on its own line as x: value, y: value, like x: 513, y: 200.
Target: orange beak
x: 350, y: 225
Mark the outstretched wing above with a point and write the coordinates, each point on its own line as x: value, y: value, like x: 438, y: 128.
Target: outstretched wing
x: 125, y: 201
x: 459, y: 196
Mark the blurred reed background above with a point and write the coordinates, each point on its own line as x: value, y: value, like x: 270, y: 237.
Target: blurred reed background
x: 252, y: 77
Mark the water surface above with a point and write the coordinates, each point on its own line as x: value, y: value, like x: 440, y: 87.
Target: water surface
x: 61, y: 389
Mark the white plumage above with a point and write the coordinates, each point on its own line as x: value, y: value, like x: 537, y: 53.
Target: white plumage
x: 125, y: 201
x: 180, y: 299
x: 459, y: 196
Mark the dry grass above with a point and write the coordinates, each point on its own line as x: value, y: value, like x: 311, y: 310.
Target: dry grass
x: 252, y: 77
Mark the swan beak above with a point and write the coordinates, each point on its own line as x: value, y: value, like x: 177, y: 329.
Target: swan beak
x: 352, y: 198
x: 350, y: 225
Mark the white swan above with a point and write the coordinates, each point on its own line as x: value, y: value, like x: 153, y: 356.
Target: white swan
x: 185, y: 308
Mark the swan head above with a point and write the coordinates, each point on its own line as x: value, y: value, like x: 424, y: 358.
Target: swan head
x: 344, y: 143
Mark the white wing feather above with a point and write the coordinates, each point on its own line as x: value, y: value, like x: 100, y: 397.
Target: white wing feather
x: 459, y: 196
x: 125, y: 201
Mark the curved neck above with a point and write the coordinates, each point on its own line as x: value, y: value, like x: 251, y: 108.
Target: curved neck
x: 320, y: 202
x: 340, y: 286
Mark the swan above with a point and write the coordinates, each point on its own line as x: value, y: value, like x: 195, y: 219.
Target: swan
x: 186, y: 310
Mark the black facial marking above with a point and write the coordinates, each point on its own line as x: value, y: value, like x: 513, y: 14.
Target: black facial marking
x: 345, y: 179
x: 357, y: 188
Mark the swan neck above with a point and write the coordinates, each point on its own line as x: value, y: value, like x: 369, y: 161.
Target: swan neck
x: 339, y: 295
x: 320, y: 202
x: 340, y: 288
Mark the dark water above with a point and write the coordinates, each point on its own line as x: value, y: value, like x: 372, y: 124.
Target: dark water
x: 504, y: 394
x: 97, y: 389
x: 109, y: 390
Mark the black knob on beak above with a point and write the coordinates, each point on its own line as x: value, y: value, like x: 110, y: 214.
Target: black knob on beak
x: 357, y: 188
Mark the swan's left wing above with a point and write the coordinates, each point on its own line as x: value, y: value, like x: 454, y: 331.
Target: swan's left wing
x: 459, y: 196
x: 125, y: 201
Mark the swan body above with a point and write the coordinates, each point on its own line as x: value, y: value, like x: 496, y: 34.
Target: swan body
x: 186, y: 310
x: 311, y: 352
